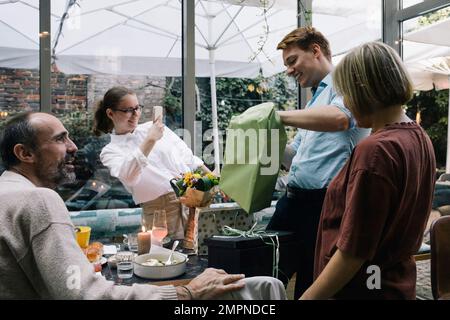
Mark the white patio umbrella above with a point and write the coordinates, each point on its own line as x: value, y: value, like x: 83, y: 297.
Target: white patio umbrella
x: 428, y: 61
x: 437, y: 34
x: 432, y: 73
x: 142, y: 37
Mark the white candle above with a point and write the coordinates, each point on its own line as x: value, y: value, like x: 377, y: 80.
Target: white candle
x: 144, y: 242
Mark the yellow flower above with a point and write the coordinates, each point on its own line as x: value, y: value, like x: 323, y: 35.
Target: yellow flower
x: 187, y: 177
x: 259, y: 90
x: 190, y: 180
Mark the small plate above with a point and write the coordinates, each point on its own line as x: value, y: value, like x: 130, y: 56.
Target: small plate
x: 102, y: 261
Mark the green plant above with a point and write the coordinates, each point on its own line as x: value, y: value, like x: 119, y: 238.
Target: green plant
x: 433, y: 109
x: 195, y: 180
x: 78, y: 124
x: 172, y: 102
x: 7, y: 114
x: 235, y: 95
x: 433, y: 105
x: 307, y: 14
x: 433, y: 17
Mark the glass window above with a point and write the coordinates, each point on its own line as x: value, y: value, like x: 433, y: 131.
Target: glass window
x: 347, y: 24
x: 422, y: 36
x: 426, y: 54
x: 410, y: 3
x: 19, y: 58
x: 101, y: 44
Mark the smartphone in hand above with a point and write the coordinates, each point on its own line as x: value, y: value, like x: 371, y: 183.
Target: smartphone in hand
x: 157, y: 112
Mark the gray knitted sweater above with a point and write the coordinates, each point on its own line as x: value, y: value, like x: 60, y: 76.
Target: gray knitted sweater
x: 39, y: 255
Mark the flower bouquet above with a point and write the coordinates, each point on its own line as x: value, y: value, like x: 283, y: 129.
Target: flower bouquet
x: 194, y: 188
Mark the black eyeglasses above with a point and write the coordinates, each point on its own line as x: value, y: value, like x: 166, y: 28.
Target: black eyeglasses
x: 130, y: 111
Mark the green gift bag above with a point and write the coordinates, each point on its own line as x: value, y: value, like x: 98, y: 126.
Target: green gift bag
x: 254, y: 149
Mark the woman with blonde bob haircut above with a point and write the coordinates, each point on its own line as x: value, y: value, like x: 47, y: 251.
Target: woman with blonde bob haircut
x: 376, y: 208
x: 374, y: 79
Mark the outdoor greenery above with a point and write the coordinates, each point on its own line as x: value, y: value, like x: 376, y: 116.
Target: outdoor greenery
x: 6, y: 115
x: 433, y: 17
x: 172, y: 102
x: 78, y: 124
x: 234, y: 96
x: 432, y: 106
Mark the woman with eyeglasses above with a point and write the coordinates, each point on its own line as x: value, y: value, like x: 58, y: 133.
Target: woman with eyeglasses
x: 144, y: 157
x: 376, y: 208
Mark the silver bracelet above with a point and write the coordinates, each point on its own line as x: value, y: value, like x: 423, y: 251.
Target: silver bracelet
x: 189, y: 291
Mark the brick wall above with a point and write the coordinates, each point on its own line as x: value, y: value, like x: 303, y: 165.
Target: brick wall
x: 149, y: 90
x: 69, y: 92
x: 19, y: 90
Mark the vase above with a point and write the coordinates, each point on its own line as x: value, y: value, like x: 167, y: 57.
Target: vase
x: 191, y: 233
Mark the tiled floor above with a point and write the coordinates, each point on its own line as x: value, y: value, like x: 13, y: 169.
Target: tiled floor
x: 423, y: 285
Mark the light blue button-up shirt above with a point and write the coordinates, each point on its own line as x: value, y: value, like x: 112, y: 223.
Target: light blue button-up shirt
x: 320, y: 155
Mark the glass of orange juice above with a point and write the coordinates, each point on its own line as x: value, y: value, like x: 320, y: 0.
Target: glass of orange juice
x: 83, y: 235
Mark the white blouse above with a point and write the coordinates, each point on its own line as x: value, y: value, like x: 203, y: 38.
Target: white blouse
x: 147, y: 178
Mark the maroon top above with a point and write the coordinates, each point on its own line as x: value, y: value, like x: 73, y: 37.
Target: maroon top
x: 377, y: 208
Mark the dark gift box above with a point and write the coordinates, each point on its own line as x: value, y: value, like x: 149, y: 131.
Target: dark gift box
x: 250, y: 256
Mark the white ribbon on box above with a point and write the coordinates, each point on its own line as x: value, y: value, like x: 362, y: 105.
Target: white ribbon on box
x: 252, y: 233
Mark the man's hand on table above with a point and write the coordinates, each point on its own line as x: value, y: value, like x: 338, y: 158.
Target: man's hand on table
x: 210, y: 284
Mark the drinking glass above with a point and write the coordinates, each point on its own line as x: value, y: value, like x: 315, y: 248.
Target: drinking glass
x: 131, y: 241
x: 83, y: 235
x: 159, y: 228
x: 125, y: 264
